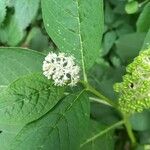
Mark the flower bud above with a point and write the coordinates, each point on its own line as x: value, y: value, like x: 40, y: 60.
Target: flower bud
x: 134, y: 91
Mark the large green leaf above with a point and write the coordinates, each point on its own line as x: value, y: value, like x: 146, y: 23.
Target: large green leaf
x: 98, y: 111
x: 28, y: 98
x: 60, y: 129
x: 76, y: 27
x: 146, y: 43
x: 16, y: 62
x: 12, y: 31
x: 143, y: 22
x: 109, y: 40
x: 105, y: 142
x: 144, y: 119
x: 129, y: 45
x: 25, y: 11
x: 37, y: 40
x: 103, y: 77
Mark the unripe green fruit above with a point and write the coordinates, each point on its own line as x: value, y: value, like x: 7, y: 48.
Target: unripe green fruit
x: 134, y: 91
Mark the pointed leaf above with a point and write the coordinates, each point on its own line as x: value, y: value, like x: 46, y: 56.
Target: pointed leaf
x: 10, y: 32
x: 25, y: 11
x: 143, y: 22
x: 76, y: 27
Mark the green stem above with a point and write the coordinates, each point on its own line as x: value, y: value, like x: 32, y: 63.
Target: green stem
x: 143, y: 3
x: 129, y: 130
x: 102, y: 132
x: 111, y: 103
x: 93, y: 99
x: 101, y: 96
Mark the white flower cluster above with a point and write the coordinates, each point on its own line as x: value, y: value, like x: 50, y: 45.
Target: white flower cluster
x: 61, y: 68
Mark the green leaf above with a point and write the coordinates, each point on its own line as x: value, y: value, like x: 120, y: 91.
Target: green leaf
x: 103, y: 77
x: 98, y: 111
x: 61, y: 129
x: 144, y: 137
x: 132, y: 7
x: 28, y: 98
x: 146, y: 43
x: 105, y: 142
x: 109, y: 15
x: 115, y: 61
x: 37, y: 40
x: 16, y: 62
x: 120, y: 7
x: 123, y: 29
x: 141, y: 121
x: 10, y: 32
x: 76, y: 27
x: 25, y: 11
x: 109, y: 40
x: 2, y: 10
x: 128, y: 46
x: 143, y: 22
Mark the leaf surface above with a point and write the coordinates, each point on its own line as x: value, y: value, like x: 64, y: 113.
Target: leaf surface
x: 10, y: 33
x: 143, y: 22
x: 7, y: 134
x: 104, y: 142
x: 28, y: 98
x: 146, y: 43
x: 76, y: 27
x: 144, y: 124
x: 61, y: 128
x: 128, y: 46
x: 16, y: 62
x: 25, y: 11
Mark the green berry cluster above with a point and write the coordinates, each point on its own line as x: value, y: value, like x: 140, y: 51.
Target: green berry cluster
x: 134, y: 91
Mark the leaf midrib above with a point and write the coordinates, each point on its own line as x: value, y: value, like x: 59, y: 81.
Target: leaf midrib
x: 23, y: 95
x: 67, y: 109
x: 81, y: 43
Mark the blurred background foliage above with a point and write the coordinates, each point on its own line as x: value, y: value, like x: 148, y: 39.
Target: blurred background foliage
x: 126, y: 32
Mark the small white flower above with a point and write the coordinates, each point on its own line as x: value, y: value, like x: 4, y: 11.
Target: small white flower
x: 61, y: 68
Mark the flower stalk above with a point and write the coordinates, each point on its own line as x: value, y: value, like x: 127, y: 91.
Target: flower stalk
x: 98, y: 94
x: 129, y: 130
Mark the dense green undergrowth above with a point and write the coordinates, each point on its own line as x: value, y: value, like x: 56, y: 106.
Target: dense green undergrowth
x: 104, y: 37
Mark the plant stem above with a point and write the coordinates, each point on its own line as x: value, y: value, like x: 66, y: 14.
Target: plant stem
x: 102, y: 132
x: 129, y: 129
x: 109, y: 102
x: 93, y: 99
x: 143, y: 3
x: 101, y: 96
